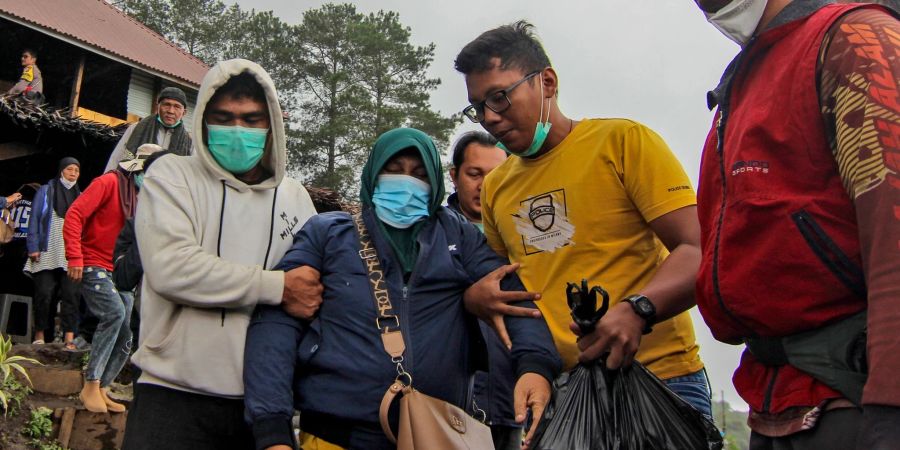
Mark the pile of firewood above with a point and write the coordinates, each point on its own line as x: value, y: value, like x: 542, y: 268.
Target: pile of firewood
x: 328, y: 200
x: 27, y: 114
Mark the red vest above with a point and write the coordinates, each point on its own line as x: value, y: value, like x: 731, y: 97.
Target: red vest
x: 779, y: 237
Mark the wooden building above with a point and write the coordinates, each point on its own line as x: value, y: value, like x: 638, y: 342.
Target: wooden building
x: 101, y: 70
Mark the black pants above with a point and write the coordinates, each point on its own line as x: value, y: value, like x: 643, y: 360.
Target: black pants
x: 506, y: 438
x: 50, y: 288
x: 163, y: 418
x: 836, y: 429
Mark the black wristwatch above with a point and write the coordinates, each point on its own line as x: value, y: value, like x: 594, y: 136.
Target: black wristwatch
x: 644, y: 308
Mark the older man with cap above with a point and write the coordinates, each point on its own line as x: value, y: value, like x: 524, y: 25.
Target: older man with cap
x: 163, y: 128
x: 91, y: 226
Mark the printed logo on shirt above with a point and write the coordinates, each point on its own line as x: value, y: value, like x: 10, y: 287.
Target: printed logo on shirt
x: 751, y: 166
x: 543, y: 222
x: 288, y: 227
x: 20, y: 217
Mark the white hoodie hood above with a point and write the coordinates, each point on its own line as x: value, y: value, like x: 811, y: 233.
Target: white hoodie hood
x: 275, y: 157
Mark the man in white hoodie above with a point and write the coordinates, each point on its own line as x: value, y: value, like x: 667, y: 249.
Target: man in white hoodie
x: 210, y: 226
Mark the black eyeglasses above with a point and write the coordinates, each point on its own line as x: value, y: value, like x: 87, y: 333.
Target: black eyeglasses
x: 497, y: 102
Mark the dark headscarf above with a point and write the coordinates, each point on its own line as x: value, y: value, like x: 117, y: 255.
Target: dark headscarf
x: 127, y: 191
x: 62, y: 197
x: 403, y: 241
x: 389, y: 144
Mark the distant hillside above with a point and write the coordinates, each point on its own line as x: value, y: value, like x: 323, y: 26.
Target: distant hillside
x: 737, y: 433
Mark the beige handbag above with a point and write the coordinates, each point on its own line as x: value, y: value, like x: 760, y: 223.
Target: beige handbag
x: 426, y: 423
x: 6, y: 230
x: 430, y: 423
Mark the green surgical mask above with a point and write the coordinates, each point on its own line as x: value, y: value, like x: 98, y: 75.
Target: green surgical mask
x: 541, y: 131
x: 236, y: 149
x: 159, y: 119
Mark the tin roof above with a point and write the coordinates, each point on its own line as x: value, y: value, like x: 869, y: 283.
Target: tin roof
x: 101, y: 28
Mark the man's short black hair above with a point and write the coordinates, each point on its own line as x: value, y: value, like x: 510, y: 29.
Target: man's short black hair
x: 515, y: 45
x: 243, y: 85
x: 30, y: 52
x: 471, y: 137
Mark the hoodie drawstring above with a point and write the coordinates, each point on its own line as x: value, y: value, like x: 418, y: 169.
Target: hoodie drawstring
x: 271, y: 231
x: 219, y: 238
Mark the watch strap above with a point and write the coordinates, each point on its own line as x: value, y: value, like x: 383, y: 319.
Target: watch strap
x: 649, y: 314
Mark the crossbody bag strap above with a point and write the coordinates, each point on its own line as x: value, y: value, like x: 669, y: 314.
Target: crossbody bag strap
x: 391, y: 339
x: 385, y: 320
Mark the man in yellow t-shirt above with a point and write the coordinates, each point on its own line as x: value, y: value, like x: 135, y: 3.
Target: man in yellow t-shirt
x: 599, y: 199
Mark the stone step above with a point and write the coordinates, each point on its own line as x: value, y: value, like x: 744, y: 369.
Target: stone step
x: 55, y: 381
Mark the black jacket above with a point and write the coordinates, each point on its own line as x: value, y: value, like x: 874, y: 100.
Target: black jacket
x: 127, y: 268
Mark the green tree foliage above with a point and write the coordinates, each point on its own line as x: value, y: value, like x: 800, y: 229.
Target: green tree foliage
x: 155, y: 14
x: 334, y: 101
x: 733, y: 424
x: 344, y: 77
x: 361, y: 76
x: 195, y: 25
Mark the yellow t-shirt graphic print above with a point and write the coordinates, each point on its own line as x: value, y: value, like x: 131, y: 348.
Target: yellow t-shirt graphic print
x: 542, y: 222
x: 583, y: 211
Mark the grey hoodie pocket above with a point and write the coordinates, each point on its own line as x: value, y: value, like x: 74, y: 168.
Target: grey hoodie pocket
x: 162, y: 337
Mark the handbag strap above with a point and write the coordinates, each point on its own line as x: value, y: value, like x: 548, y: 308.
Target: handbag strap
x: 389, y: 395
x: 392, y: 340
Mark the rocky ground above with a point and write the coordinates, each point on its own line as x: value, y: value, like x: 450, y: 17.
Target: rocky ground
x: 56, y: 384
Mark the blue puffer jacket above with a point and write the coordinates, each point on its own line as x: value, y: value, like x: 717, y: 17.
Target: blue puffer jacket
x: 39, y: 224
x: 336, y: 365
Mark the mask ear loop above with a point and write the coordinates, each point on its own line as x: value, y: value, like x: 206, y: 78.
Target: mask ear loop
x: 541, y: 115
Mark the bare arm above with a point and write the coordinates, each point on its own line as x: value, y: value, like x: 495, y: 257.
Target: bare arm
x: 671, y: 290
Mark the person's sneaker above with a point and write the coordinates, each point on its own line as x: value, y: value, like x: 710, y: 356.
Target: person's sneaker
x: 81, y: 344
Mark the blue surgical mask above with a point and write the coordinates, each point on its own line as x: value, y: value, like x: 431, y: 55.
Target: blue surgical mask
x: 139, y: 180
x: 401, y: 200
x: 236, y: 149
x: 541, y: 131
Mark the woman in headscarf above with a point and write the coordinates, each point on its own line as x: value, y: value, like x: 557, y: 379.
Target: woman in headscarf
x: 47, y: 255
x: 335, y: 368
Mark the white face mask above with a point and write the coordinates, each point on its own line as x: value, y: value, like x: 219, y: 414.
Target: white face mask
x: 68, y: 184
x: 738, y: 19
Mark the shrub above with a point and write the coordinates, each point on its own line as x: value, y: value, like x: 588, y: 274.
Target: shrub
x: 9, y: 365
x: 40, y: 425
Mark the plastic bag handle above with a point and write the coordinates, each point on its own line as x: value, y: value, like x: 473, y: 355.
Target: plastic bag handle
x: 583, y: 305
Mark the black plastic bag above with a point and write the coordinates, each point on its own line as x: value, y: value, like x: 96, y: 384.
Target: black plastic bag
x: 593, y: 408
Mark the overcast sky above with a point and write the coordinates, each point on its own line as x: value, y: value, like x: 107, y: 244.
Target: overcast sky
x: 646, y: 60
